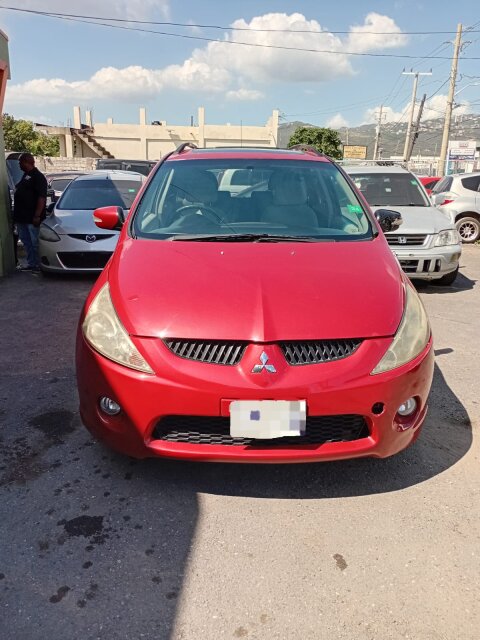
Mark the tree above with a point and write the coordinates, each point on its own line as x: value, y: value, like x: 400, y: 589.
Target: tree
x: 322, y: 138
x: 20, y: 135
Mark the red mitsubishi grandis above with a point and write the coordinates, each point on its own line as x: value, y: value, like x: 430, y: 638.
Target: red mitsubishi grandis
x: 253, y: 312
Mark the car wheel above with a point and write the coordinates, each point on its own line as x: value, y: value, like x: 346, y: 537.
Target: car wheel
x: 446, y: 280
x: 469, y: 229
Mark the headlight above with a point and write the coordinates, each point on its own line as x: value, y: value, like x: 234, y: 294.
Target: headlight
x: 48, y: 234
x: 449, y: 236
x: 412, y: 335
x: 106, y: 334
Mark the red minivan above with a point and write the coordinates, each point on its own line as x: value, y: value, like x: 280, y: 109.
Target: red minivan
x: 267, y: 324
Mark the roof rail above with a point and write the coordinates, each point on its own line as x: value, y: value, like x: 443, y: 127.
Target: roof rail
x: 308, y: 148
x: 184, y: 146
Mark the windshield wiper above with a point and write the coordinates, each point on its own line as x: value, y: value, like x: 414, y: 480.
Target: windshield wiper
x: 247, y: 237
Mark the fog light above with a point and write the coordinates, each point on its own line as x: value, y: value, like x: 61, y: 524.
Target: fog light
x: 109, y: 406
x: 407, y: 408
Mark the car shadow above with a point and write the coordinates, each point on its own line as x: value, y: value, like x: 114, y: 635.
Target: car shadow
x: 461, y: 283
x: 446, y: 437
x: 105, y: 541
x: 92, y: 548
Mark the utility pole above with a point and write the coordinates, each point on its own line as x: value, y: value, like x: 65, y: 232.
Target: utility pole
x: 416, y: 127
x: 441, y: 169
x: 378, y: 132
x: 412, y: 108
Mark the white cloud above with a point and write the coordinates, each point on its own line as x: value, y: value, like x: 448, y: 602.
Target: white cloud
x: 135, y: 9
x: 193, y: 28
x: 37, y: 119
x: 220, y: 67
x: 388, y: 115
x: 362, y: 40
x: 434, y: 108
x: 244, y: 94
x: 337, y: 122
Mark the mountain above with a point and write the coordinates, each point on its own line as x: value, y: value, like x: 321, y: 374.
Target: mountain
x: 428, y: 143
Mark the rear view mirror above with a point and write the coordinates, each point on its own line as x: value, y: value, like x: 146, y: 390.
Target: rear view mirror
x: 388, y: 220
x: 109, y: 218
x: 50, y: 208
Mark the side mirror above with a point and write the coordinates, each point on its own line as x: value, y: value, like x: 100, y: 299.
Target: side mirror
x: 388, y: 220
x: 51, y: 208
x: 109, y: 218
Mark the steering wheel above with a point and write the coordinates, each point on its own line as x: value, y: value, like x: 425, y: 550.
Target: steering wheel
x: 209, y: 212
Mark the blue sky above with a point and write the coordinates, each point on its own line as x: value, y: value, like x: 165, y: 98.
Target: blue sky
x: 56, y: 64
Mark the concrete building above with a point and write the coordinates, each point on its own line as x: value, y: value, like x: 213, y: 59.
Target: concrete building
x: 144, y: 141
x: 7, y: 261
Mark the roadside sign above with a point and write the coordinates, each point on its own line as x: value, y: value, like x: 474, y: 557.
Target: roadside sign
x: 354, y: 152
x: 462, y: 149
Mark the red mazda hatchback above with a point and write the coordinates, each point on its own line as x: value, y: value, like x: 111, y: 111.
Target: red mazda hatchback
x: 253, y: 312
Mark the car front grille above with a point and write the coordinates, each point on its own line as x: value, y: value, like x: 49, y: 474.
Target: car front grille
x: 314, y: 352
x: 212, y: 352
x: 216, y: 430
x: 400, y: 240
x: 87, y: 237
x: 84, y: 259
x: 421, y: 266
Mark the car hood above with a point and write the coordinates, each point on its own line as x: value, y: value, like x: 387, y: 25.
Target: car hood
x: 425, y: 220
x: 257, y: 292
x: 67, y: 221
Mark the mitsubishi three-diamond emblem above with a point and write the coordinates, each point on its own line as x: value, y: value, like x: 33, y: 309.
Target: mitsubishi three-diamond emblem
x: 258, y: 368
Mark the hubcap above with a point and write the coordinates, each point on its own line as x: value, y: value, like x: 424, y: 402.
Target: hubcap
x: 468, y: 230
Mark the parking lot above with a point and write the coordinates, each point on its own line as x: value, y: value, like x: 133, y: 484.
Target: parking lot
x: 99, y: 546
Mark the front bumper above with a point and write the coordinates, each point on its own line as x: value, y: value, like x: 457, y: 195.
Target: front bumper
x: 187, y: 388
x: 428, y: 264
x: 70, y: 255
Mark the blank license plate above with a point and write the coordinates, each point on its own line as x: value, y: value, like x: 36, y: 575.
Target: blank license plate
x: 266, y: 419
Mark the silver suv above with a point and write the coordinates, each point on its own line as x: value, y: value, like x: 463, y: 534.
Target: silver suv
x: 458, y: 197
x: 427, y: 244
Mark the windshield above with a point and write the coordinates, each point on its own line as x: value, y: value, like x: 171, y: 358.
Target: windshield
x: 289, y: 198
x: 91, y: 194
x: 60, y: 184
x: 390, y: 189
x: 14, y: 170
x: 443, y: 185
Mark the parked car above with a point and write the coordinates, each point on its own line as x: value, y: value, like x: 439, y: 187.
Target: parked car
x: 427, y: 245
x: 138, y: 166
x: 429, y: 182
x: 58, y: 182
x: 285, y: 332
x: 68, y: 238
x: 458, y: 197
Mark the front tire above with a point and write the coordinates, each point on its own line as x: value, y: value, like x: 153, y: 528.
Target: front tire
x: 447, y: 279
x: 469, y: 229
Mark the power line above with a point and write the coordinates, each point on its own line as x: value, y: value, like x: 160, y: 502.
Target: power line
x: 94, y: 21
x: 227, y: 28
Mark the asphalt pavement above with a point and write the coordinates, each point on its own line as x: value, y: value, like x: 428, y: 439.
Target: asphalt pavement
x: 97, y: 546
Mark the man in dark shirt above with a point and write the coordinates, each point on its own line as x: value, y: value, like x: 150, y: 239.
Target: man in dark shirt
x: 29, y: 202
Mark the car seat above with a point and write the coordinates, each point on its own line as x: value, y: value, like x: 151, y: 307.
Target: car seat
x: 289, y: 202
